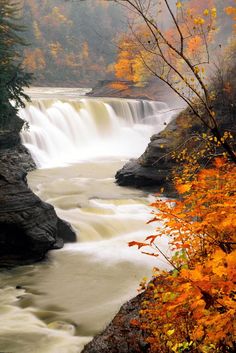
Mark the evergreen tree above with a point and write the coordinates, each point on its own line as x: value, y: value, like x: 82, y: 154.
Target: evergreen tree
x: 12, y: 76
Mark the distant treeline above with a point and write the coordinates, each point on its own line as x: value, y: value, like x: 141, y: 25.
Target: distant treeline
x: 71, y: 43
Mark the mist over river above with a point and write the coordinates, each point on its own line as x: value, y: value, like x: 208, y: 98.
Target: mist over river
x: 78, y: 144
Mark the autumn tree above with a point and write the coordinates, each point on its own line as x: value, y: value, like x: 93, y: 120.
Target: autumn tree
x: 192, y: 307
x: 12, y: 77
x: 177, y: 53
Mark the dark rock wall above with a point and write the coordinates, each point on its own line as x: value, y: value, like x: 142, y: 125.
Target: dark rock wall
x: 29, y: 227
x: 154, y: 167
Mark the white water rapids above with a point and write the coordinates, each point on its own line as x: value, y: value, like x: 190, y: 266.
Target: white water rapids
x: 79, y: 143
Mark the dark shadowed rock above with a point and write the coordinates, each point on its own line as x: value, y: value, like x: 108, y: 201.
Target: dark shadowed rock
x: 155, y: 166
x: 152, y: 169
x: 29, y: 227
x: 65, y: 231
x: 134, y: 174
x: 121, y: 336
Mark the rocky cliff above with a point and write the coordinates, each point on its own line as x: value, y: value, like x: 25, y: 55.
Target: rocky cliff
x: 154, y: 167
x: 29, y: 227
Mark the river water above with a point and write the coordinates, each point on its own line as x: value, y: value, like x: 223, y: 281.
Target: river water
x: 79, y: 143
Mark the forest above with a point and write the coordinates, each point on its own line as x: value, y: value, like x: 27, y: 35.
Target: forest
x: 71, y: 43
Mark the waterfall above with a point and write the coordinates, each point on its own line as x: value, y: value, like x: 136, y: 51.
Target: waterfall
x: 71, y: 130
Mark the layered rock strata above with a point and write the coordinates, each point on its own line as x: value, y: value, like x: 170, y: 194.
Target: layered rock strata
x: 154, y: 167
x: 29, y: 227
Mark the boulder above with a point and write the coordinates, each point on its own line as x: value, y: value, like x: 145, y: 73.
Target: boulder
x: 152, y: 169
x: 155, y: 166
x: 134, y: 174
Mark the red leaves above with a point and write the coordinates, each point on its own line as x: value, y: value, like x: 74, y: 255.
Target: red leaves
x: 136, y: 243
x: 152, y: 238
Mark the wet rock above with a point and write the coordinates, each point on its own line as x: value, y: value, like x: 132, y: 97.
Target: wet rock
x: 152, y: 169
x: 121, y: 336
x: 134, y: 174
x: 65, y: 231
x: 155, y: 166
x: 29, y: 227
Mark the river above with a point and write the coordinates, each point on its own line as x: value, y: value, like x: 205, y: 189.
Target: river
x: 79, y: 143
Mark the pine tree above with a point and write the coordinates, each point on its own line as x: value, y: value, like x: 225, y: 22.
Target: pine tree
x: 12, y: 76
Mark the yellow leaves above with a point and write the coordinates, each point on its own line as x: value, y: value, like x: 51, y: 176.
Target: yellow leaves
x: 183, y: 188
x: 179, y: 4
x: 213, y: 12
x: 170, y: 332
x: 199, y: 21
x: 213, y: 113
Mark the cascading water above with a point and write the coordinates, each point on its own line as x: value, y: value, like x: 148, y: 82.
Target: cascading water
x: 67, y: 131
x: 58, y: 305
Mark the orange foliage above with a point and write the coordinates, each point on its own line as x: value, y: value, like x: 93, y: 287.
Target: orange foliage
x: 139, y: 55
x: 34, y: 60
x: 118, y: 86
x: 194, y: 43
x: 192, y: 309
x: 124, y: 68
x: 231, y: 11
x: 85, y: 50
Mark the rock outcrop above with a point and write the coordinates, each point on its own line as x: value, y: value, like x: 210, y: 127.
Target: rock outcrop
x: 154, y: 167
x: 29, y: 227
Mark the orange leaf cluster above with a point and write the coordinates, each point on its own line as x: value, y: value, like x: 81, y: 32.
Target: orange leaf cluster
x: 192, y: 309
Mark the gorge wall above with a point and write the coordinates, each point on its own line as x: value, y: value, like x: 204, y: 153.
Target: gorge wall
x: 28, y: 226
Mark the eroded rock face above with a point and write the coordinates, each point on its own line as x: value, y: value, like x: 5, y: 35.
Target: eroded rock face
x: 121, y: 336
x: 152, y: 169
x: 29, y: 227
